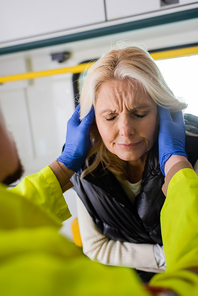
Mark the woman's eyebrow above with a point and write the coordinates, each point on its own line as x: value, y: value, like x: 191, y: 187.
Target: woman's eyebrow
x: 108, y: 111
x: 140, y: 107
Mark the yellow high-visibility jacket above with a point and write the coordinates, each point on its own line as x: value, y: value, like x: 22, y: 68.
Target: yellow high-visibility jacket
x: 36, y: 260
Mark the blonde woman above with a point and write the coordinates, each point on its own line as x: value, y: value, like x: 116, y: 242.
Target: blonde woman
x: 119, y: 186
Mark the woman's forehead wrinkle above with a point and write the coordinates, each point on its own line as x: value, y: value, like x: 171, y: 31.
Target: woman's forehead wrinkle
x: 122, y: 99
x: 118, y: 96
x: 127, y: 100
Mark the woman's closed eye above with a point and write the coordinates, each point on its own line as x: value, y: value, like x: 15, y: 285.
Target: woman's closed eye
x: 139, y: 115
x: 111, y: 118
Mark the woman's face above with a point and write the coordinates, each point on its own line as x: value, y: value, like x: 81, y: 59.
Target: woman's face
x: 126, y: 118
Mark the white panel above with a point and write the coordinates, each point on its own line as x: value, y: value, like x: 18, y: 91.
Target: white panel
x: 43, y: 121
x: 22, y: 18
x: 50, y: 105
x: 125, y: 8
x: 10, y: 66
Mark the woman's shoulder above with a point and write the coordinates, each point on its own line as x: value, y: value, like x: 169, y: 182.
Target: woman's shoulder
x: 191, y: 124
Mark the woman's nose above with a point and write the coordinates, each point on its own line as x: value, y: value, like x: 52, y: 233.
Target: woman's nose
x: 126, y: 127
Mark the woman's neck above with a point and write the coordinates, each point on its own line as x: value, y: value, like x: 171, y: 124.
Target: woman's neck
x: 136, y: 168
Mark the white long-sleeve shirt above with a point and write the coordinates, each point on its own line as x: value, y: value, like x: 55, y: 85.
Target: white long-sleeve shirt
x: 99, y: 248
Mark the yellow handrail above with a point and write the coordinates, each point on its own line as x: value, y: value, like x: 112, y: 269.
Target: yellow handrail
x: 82, y: 67
x: 31, y: 75
x: 174, y: 53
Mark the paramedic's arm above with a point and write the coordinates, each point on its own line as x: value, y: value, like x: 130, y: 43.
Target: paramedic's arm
x: 180, y: 210
x: 179, y: 230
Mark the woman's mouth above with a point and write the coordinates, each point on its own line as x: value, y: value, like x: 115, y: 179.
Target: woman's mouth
x: 129, y: 146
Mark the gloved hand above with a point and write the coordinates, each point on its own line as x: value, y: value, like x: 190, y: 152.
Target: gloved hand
x: 77, y: 140
x: 171, y: 138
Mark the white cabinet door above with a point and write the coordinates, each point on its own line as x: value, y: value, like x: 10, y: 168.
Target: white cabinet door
x: 126, y: 8
x: 25, y: 18
x: 117, y: 9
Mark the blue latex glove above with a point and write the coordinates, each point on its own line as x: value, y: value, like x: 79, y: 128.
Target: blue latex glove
x: 77, y: 140
x: 171, y: 138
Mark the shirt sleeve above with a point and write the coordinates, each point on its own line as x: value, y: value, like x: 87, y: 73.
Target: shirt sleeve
x: 44, y: 189
x: 99, y: 248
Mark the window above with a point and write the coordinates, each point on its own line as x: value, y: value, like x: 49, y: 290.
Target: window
x: 181, y: 75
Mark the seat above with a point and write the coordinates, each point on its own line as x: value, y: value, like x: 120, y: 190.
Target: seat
x: 76, y: 233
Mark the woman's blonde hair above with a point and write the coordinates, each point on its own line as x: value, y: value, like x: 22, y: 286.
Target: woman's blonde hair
x: 131, y: 62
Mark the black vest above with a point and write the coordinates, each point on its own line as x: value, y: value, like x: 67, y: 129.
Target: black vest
x: 110, y: 208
